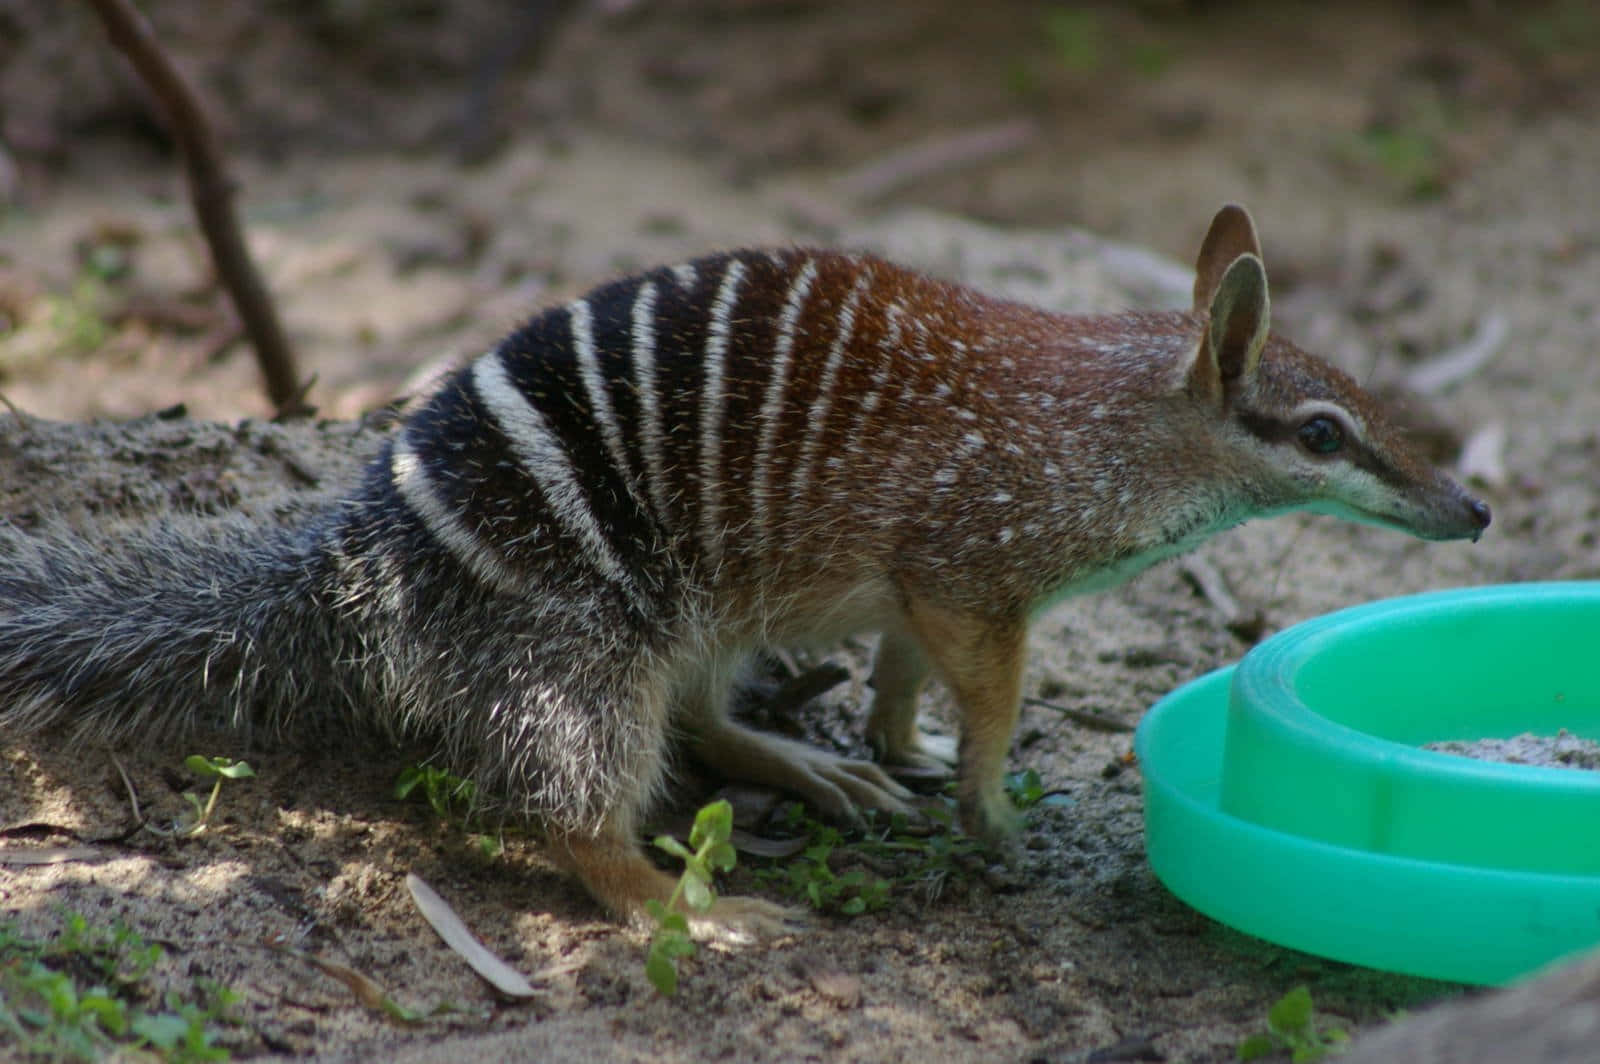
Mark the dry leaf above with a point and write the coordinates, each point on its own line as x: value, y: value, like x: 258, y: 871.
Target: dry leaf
x: 43, y: 855
x: 443, y: 919
x: 841, y: 988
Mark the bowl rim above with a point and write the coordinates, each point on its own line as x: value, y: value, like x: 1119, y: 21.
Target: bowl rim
x: 1264, y: 685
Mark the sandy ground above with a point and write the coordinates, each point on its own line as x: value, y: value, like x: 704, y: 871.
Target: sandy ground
x: 1418, y: 178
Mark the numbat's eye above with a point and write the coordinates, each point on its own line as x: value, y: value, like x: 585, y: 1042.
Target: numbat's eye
x: 1321, y: 435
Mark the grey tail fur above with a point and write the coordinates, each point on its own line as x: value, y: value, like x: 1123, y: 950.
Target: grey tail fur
x: 355, y: 621
x: 194, y: 622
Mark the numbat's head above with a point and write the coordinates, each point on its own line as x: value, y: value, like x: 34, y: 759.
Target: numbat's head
x: 1304, y: 434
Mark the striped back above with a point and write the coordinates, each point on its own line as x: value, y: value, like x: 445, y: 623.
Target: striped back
x: 773, y: 427
x: 742, y: 421
x: 689, y: 410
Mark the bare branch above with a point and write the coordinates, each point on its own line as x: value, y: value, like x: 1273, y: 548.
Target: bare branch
x: 211, y: 193
x: 919, y: 162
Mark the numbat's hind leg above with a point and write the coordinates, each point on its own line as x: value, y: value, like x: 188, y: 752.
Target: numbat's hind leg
x: 616, y: 872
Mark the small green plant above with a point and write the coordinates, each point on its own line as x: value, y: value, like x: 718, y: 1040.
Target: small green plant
x: 888, y: 857
x: 453, y: 800
x: 82, y: 997
x: 709, y: 851
x: 1027, y: 790
x: 1292, y: 1027
x: 1084, y: 44
x: 216, y: 769
x: 1078, y: 38
x: 450, y: 797
x: 1412, y: 158
x: 78, y: 318
x: 809, y: 876
x: 1563, y: 28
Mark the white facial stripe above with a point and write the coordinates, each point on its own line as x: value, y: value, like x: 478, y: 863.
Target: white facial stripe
x: 772, y: 402
x: 1311, y: 408
x: 539, y: 452
x: 712, y: 402
x: 411, y: 479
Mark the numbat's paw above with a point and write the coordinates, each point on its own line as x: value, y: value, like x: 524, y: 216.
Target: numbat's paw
x: 744, y: 921
x: 922, y: 755
x: 834, y: 786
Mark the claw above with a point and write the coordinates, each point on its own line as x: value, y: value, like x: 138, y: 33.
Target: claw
x: 835, y: 786
x: 740, y: 921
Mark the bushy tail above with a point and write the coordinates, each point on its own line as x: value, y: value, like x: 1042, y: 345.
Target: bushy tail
x: 194, y: 622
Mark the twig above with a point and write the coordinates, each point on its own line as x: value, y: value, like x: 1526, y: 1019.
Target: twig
x: 1212, y: 585
x: 211, y: 193
x: 1459, y: 363
x: 1080, y: 716
x: 141, y: 823
x: 1483, y: 456
x: 901, y: 168
x: 16, y: 412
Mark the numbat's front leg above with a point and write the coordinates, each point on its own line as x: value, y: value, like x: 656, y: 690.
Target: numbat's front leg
x: 981, y: 660
x: 898, y: 675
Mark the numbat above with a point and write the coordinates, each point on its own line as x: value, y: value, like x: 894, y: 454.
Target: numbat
x: 561, y: 558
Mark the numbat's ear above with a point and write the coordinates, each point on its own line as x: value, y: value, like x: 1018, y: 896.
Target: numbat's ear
x: 1232, y: 234
x: 1230, y: 350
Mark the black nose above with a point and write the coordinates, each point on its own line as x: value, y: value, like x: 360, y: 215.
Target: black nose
x: 1480, y: 514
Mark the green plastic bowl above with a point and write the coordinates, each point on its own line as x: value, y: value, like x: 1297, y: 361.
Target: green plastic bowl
x: 1287, y: 796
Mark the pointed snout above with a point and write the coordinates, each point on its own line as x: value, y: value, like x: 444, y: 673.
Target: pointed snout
x: 1480, y: 514
x: 1461, y: 517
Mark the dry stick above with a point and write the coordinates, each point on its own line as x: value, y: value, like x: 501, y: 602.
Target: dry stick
x: 1079, y: 716
x: 931, y: 158
x: 1212, y: 585
x: 1459, y: 363
x: 211, y: 192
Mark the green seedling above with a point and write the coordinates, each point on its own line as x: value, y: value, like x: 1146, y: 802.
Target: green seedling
x: 217, y: 769
x: 1565, y: 28
x: 82, y: 997
x: 1084, y: 44
x: 1027, y: 790
x: 1292, y: 1027
x: 1079, y: 39
x: 709, y: 851
x: 1413, y: 159
x: 78, y: 318
x: 849, y: 877
x: 453, y: 800
x: 450, y: 797
x: 809, y: 876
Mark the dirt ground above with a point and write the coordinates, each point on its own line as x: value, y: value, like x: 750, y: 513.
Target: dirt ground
x: 415, y: 182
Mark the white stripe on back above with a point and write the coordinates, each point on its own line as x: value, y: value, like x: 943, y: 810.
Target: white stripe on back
x: 684, y: 274
x: 541, y: 454
x: 868, y: 399
x: 581, y: 319
x: 644, y: 382
x: 411, y: 479
x: 818, y: 420
x: 772, y: 403
x: 712, y: 400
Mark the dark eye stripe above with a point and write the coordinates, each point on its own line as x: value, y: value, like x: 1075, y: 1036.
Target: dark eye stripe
x: 1354, y: 450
